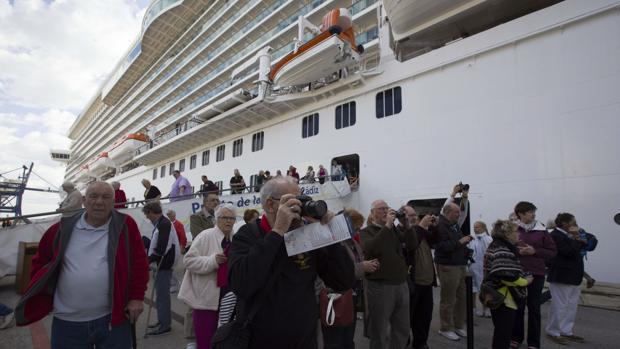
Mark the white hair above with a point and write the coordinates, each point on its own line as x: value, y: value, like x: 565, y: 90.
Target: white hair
x: 115, y: 184
x: 273, y: 187
x: 226, y: 206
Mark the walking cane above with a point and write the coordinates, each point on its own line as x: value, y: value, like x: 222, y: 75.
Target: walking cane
x: 148, y: 313
x: 134, y: 342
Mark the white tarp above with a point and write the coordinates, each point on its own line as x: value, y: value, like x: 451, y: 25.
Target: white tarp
x: 331, y: 192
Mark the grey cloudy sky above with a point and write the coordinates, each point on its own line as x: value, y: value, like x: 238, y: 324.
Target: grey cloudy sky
x: 54, y: 55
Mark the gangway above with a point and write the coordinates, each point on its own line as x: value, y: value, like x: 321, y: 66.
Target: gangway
x: 12, y: 190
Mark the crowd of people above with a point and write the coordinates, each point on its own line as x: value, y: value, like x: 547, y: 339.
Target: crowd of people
x: 387, y: 270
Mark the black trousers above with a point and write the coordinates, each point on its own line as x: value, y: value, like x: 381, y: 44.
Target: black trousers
x: 534, y: 295
x: 421, y: 313
x: 340, y: 337
x: 503, y: 322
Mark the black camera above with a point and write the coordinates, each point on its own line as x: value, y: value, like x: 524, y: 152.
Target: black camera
x: 401, y: 215
x: 310, y: 208
x: 469, y: 255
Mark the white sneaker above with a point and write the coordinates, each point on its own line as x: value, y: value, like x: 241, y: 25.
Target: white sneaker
x: 191, y: 346
x: 450, y: 335
x: 461, y: 332
x: 479, y: 313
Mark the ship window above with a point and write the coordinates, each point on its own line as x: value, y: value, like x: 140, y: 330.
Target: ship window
x: 238, y: 147
x: 205, y: 157
x: 310, y: 125
x: 192, y: 162
x: 219, y: 156
x: 257, y: 141
x: 345, y: 115
x: 162, y: 172
x: 154, y: 174
x: 388, y: 102
x: 171, y: 169
x: 219, y: 184
x: 253, y: 181
x: 182, y: 165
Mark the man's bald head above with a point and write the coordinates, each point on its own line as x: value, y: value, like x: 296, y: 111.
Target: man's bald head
x: 99, y: 186
x: 452, y: 212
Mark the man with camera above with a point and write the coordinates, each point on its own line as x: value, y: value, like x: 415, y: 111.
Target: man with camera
x: 388, y: 290
x: 277, y: 288
x: 451, y: 255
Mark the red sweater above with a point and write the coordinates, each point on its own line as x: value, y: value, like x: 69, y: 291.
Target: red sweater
x: 130, y: 273
x: 178, y: 226
x: 120, y: 199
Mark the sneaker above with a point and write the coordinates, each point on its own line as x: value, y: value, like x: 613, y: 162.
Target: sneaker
x: 487, y: 313
x: 159, y: 332
x: 558, y: 339
x: 461, y: 332
x: 450, y: 335
x: 7, y: 321
x: 153, y: 325
x: 574, y: 338
x: 479, y: 313
x: 191, y: 346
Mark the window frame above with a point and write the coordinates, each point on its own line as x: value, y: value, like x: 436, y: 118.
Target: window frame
x: 237, y: 147
x: 206, y: 154
x: 258, y: 141
x: 220, y: 149
x: 310, y: 125
x: 340, y: 120
x: 388, y: 102
x: 192, y: 161
x: 182, y: 165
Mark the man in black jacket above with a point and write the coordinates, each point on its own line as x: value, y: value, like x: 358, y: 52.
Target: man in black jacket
x: 287, y: 318
x: 451, y: 260
x: 163, y: 249
x: 564, y: 279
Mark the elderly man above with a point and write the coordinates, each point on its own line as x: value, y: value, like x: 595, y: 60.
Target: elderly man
x: 388, y: 291
x: 163, y: 251
x: 181, y: 189
x: 205, y: 282
x: 72, y: 203
x: 278, y: 287
x: 204, y: 219
x: 91, y: 272
x: 451, y: 258
x: 237, y: 183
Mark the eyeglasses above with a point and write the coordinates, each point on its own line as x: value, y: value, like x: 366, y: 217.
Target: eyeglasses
x: 229, y: 219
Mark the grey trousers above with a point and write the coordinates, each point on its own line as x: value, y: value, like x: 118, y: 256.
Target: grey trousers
x: 388, y: 308
x: 162, y: 298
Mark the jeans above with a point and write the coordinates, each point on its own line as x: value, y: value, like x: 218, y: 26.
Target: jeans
x: 162, y: 298
x: 503, y: 322
x: 90, y: 334
x: 534, y: 295
x: 421, y: 314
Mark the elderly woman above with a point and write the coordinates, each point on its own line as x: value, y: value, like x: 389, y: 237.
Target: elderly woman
x: 120, y: 199
x: 479, y: 245
x: 503, y: 272
x: 206, y: 268
x: 151, y: 192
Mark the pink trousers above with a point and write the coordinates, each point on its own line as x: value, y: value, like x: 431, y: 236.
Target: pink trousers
x: 205, y: 324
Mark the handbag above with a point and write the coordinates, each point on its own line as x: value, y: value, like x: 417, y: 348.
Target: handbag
x: 336, y: 308
x: 489, y: 296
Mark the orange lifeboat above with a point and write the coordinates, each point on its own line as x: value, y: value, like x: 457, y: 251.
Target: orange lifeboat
x: 332, y: 49
x: 124, y: 148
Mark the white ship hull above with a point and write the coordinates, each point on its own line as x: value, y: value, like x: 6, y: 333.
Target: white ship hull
x: 526, y: 110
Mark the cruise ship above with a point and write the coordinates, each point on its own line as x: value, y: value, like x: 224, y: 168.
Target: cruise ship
x: 519, y: 99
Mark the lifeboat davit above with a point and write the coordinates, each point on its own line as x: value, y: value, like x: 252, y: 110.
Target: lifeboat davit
x: 334, y: 48
x: 101, y: 165
x: 123, y: 150
x: 83, y: 175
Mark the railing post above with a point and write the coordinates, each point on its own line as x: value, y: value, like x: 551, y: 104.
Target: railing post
x: 469, y: 298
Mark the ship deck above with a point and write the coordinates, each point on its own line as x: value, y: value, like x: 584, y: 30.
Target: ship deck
x: 597, y: 321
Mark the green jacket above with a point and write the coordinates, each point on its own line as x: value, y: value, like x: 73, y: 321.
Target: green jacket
x: 389, y: 247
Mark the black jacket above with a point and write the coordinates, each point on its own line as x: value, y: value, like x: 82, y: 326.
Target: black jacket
x: 567, y: 265
x: 288, y: 317
x: 164, y: 227
x: 448, y: 249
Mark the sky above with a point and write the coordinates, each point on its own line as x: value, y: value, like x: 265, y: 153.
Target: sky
x: 54, y: 56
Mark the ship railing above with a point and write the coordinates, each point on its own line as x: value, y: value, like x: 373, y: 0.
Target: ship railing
x: 177, y: 130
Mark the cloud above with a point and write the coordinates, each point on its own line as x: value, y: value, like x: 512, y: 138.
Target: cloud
x: 54, y: 56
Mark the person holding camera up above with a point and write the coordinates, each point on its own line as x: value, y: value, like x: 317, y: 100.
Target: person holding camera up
x: 388, y: 291
x: 451, y: 256
x: 277, y: 288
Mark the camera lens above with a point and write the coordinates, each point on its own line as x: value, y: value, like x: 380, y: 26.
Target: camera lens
x: 315, y: 209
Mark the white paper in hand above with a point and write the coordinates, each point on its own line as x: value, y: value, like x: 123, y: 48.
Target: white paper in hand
x: 316, y: 235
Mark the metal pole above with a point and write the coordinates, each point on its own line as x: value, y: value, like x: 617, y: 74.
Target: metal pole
x: 469, y: 297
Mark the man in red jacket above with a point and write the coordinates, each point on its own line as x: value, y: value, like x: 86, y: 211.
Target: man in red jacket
x: 91, y: 273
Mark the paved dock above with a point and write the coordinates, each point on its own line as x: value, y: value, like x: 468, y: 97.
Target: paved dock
x: 595, y: 321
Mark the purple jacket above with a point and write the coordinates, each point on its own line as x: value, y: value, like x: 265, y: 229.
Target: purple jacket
x: 544, y: 245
